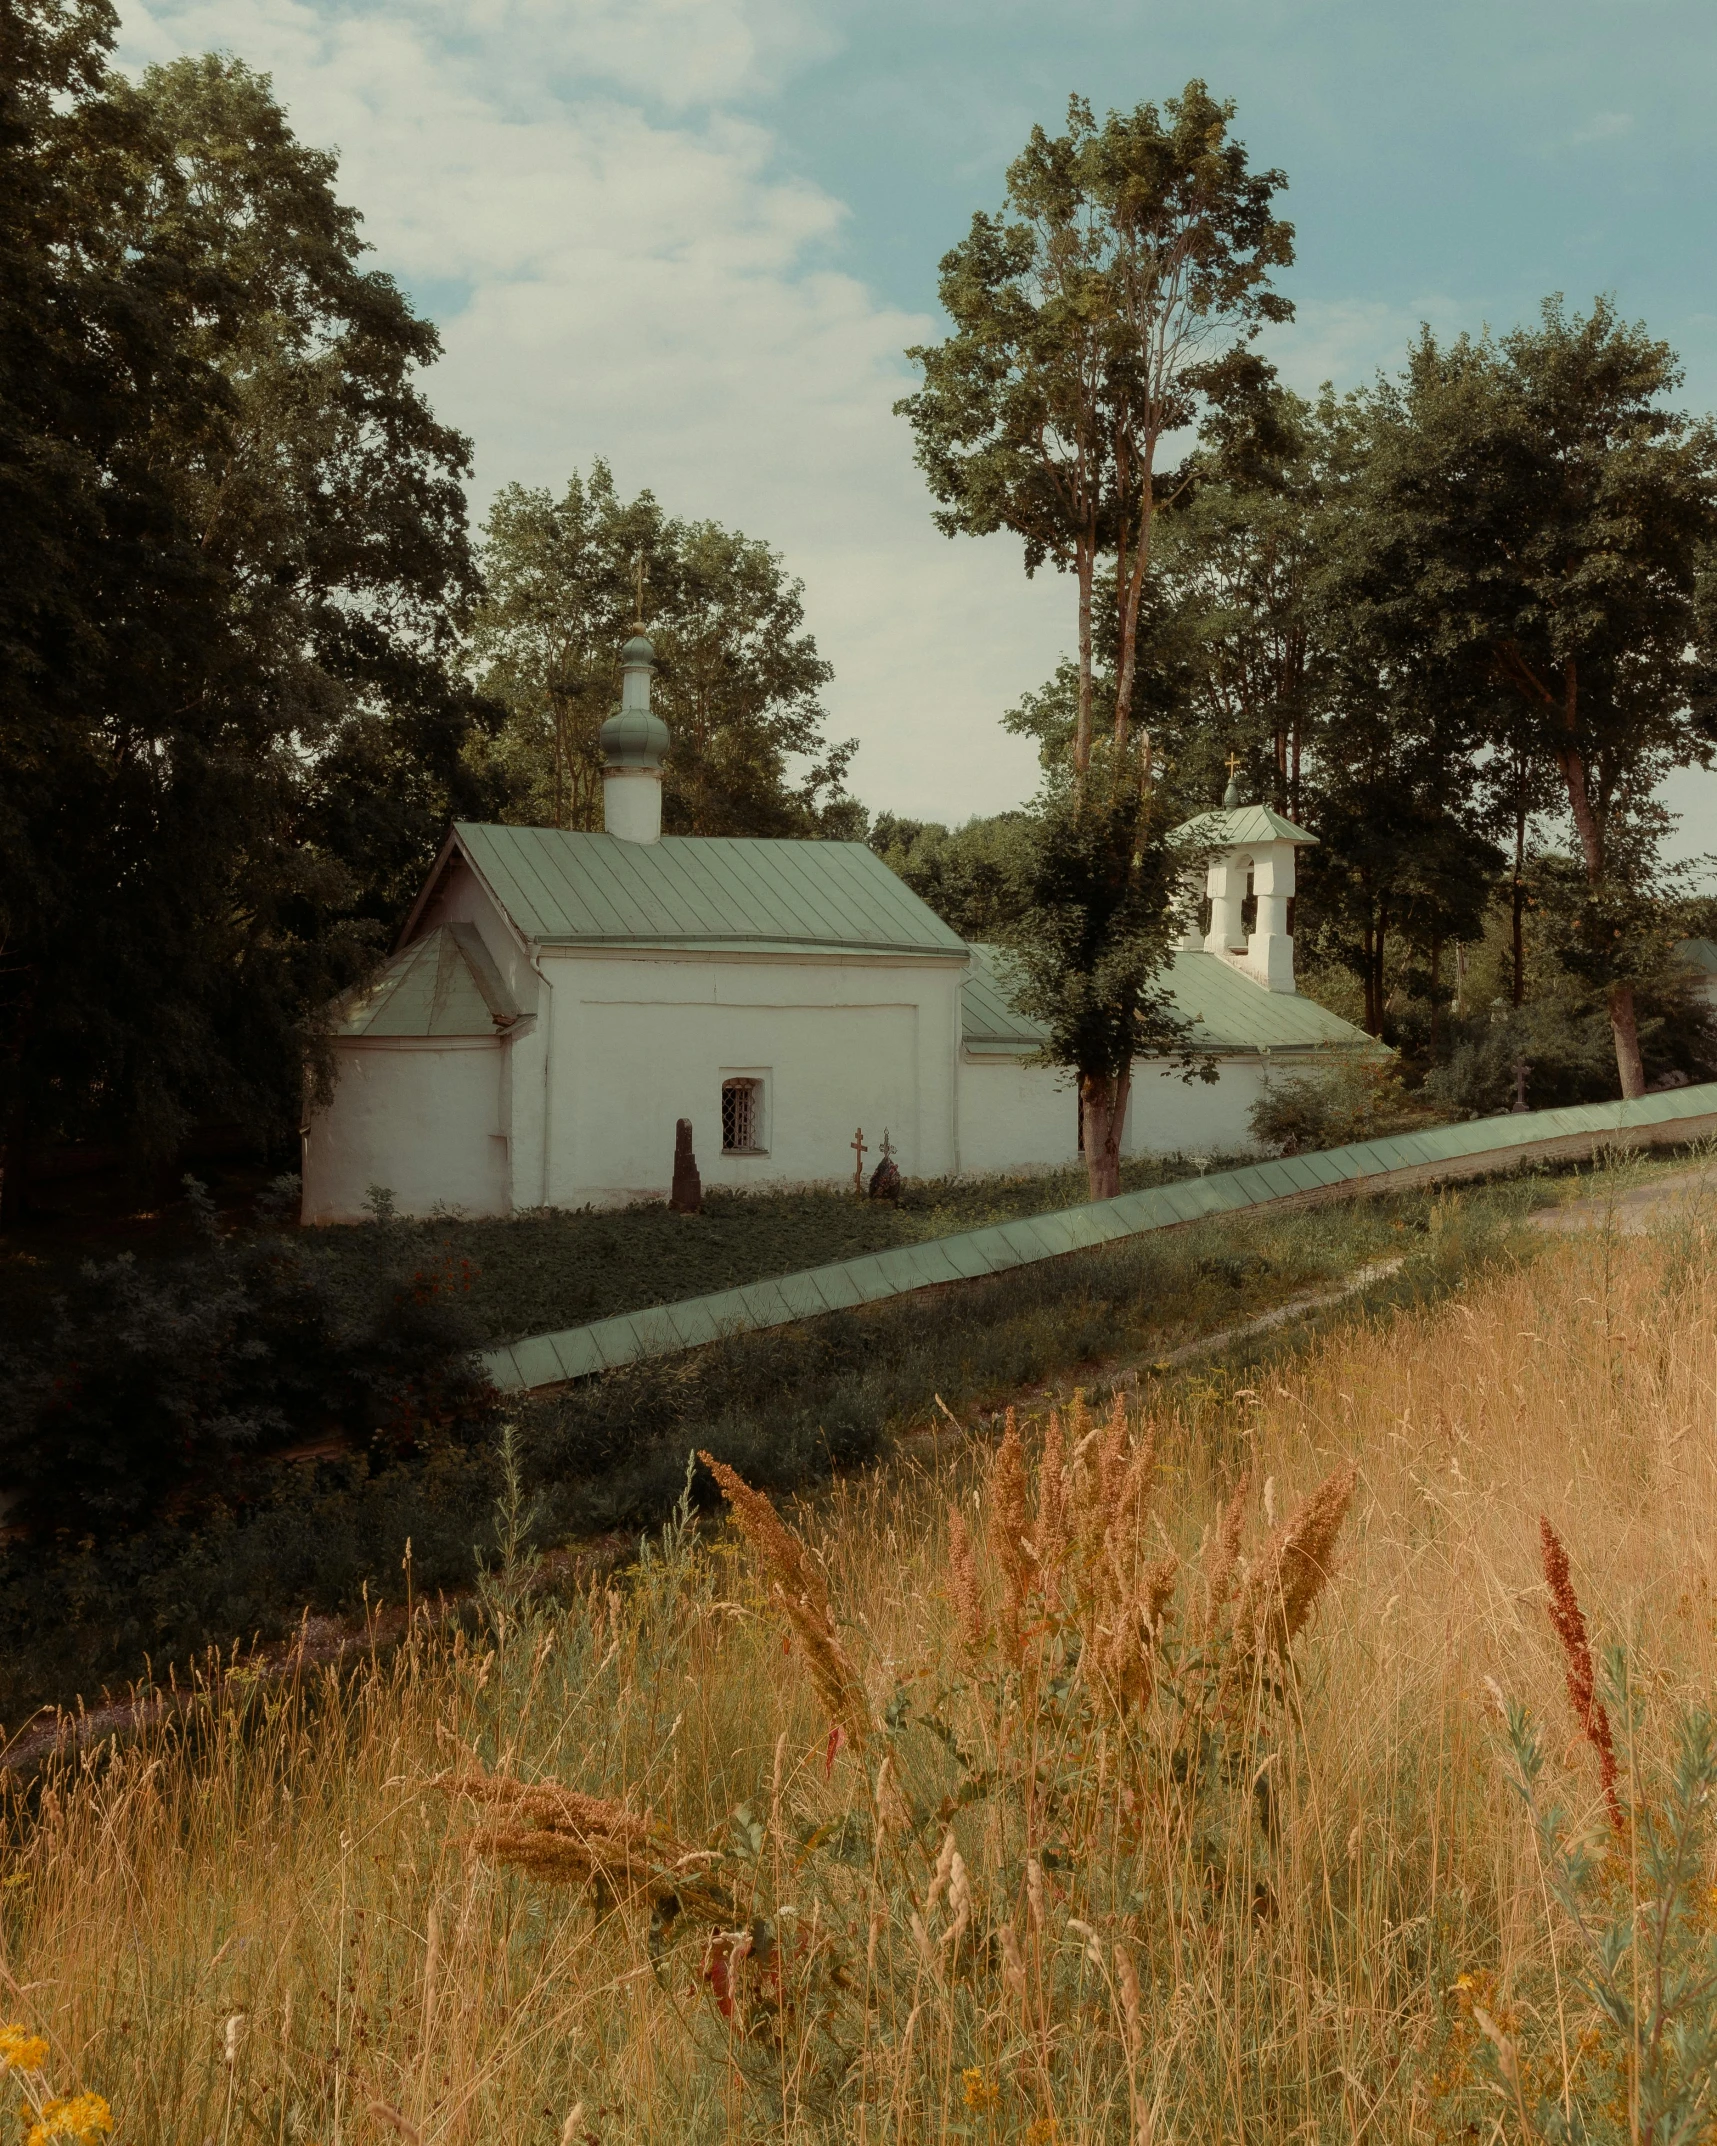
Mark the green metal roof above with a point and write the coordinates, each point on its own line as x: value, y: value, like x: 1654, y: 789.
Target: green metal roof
x: 548, y: 1359
x: 1229, y: 1012
x: 1700, y: 954
x: 989, y: 1020
x: 1236, y: 826
x: 443, y: 984
x: 567, y: 889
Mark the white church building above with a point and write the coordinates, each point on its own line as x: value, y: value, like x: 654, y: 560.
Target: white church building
x: 559, y: 1000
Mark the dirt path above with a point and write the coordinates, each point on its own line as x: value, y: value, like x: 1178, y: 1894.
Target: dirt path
x: 1684, y: 1196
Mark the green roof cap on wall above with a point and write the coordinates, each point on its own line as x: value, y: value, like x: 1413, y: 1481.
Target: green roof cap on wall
x: 562, y: 888
x: 876, y: 1276
x: 1228, y: 1011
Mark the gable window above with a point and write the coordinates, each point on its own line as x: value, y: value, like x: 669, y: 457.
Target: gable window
x: 742, y: 1117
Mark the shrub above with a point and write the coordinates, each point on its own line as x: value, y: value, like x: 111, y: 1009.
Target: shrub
x: 1367, y: 1101
x: 158, y: 1391
x: 1568, y: 1049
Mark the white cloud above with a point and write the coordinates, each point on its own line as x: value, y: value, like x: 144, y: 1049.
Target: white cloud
x: 646, y: 282
x: 1351, y: 340
x: 1601, y: 127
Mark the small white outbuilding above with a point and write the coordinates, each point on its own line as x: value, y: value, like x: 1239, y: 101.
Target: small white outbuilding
x: 559, y: 1000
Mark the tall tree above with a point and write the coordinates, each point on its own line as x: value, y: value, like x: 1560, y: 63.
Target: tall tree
x: 1402, y: 853
x: 333, y: 502
x: 737, y: 681
x: 1111, y: 305
x: 1533, y: 521
x: 1240, y: 613
x: 232, y: 547
x: 1108, y: 307
x: 969, y: 875
x: 1088, y: 935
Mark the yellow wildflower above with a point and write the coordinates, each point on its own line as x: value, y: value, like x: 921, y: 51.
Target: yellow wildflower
x: 20, y: 2050
x: 1043, y: 2132
x: 80, y: 2117
x: 980, y: 2093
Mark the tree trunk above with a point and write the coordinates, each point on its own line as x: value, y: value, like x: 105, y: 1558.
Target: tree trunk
x: 1132, y: 591
x: 1087, y: 565
x: 1436, y: 989
x: 1294, y: 771
x: 1519, y: 939
x: 13, y: 1154
x: 1630, y: 1067
x: 1376, y: 935
x: 1103, y: 1114
x: 1625, y: 1030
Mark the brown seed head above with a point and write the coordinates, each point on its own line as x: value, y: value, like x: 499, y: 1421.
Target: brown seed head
x: 963, y: 1585
x: 1050, y: 1535
x: 1569, y: 1624
x: 1009, y: 1519
x: 1282, y: 1589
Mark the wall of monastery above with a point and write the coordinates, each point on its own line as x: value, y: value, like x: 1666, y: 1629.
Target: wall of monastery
x: 420, y: 1115
x: 835, y: 1042
x: 1015, y: 1116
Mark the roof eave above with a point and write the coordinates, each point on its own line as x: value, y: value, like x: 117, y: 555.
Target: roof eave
x: 455, y: 846
x: 727, y: 942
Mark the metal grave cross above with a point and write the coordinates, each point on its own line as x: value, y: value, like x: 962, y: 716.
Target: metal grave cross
x: 887, y: 1149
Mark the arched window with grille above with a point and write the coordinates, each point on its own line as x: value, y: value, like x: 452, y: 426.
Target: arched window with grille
x: 742, y: 1116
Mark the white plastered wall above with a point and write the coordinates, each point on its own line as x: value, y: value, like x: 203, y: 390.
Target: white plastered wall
x: 1015, y: 1116
x: 419, y: 1115
x: 839, y: 1042
x: 461, y: 898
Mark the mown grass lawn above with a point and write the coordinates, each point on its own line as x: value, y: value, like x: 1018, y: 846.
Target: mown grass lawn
x: 535, y: 1273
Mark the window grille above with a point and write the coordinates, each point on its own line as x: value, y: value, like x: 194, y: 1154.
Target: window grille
x: 741, y: 1127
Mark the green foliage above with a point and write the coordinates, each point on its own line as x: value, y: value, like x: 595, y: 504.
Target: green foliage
x: 1525, y: 539
x: 1099, y: 888
x: 1643, y: 1949
x: 737, y: 677
x: 1568, y: 1049
x: 1239, y: 653
x: 162, y: 1390
x: 1302, y: 1112
x: 1109, y: 305
x: 1090, y: 936
x: 1562, y: 1031
x: 1400, y: 853
x: 969, y: 874
x: 232, y: 553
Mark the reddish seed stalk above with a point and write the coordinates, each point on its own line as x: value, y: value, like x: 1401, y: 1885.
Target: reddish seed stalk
x: 1570, y: 1628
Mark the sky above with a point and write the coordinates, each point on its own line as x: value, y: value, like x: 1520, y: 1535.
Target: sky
x: 696, y: 237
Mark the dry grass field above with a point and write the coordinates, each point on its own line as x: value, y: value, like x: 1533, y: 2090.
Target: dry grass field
x: 1149, y: 1778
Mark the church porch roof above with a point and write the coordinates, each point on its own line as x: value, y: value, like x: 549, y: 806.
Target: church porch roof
x: 444, y: 984
x: 1697, y: 954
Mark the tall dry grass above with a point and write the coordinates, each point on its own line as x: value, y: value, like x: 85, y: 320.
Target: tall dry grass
x: 1158, y: 1795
